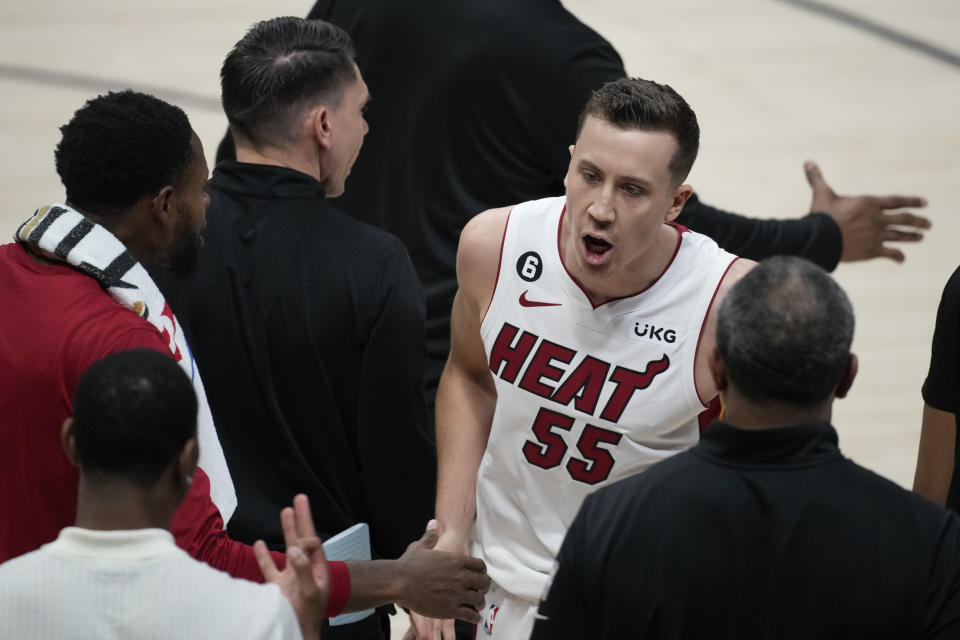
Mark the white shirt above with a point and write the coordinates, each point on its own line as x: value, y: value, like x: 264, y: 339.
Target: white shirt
x: 133, y: 584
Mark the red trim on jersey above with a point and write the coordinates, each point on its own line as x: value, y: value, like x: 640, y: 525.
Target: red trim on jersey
x: 503, y: 241
x: 713, y: 411
x: 704, y: 324
x: 676, y: 250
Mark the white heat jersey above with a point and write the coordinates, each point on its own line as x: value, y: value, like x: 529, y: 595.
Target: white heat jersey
x: 585, y: 396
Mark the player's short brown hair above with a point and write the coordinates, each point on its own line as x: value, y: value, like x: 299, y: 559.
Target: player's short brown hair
x: 635, y: 103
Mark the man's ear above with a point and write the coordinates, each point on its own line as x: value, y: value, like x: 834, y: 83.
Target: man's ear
x: 187, y: 461
x: 162, y: 203
x: 321, y: 126
x: 846, y: 380
x: 718, y: 370
x: 680, y: 196
x: 567, y: 174
x: 68, y: 443
x: 163, y: 215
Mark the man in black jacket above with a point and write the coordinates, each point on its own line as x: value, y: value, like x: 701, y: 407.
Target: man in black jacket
x: 763, y: 529
x: 309, y: 324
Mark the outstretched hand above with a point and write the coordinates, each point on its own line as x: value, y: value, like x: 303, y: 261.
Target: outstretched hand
x: 445, y: 583
x: 864, y: 222
x: 304, y: 580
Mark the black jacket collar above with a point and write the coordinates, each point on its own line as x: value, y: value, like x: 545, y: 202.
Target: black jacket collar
x: 800, y: 445
x: 261, y: 179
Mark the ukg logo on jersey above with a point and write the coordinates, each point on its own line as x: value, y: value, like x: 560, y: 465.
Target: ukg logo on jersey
x: 654, y: 332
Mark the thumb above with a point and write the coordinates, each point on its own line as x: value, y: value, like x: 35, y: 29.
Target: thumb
x: 815, y: 179
x: 430, y: 536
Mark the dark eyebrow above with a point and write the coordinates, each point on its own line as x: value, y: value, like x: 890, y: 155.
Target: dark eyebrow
x: 589, y: 165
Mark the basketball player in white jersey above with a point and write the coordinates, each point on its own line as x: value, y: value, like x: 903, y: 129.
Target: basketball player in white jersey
x: 579, y: 346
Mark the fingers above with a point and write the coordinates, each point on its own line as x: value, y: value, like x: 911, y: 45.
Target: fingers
x: 289, y: 526
x: 906, y: 220
x: 430, y: 536
x: 815, y: 178
x: 424, y: 626
x: 475, y: 564
x: 411, y: 633
x: 469, y: 615
x: 891, y: 253
x: 449, y: 633
x: 478, y: 581
x: 303, y: 516
x: 304, y: 572
x: 473, y: 600
x: 265, y: 561
x: 894, y: 235
x: 899, y: 202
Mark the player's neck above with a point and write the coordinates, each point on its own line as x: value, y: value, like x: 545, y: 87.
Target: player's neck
x: 114, y: 506
x: 753, y: 416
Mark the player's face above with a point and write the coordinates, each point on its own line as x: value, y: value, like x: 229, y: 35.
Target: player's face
x: 619, y: 194
x: 192, y: 202
x: 348, y: 127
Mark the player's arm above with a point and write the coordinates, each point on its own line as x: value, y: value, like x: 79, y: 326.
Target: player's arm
x: 938, y: 434
x: 466, y: 396
x: 706, y: 388
x: 935, y: 458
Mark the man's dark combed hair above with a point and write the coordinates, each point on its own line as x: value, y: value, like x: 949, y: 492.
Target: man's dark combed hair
x: 635, y: 103
x: 133, y: 412
x: 784, y: 332
x: 279, y: 68
x: 120, y: 147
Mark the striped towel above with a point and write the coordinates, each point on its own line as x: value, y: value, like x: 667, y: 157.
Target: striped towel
x: 61, y: 233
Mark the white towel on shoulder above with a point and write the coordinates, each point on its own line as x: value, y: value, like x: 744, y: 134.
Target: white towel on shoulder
x: 59, y: 232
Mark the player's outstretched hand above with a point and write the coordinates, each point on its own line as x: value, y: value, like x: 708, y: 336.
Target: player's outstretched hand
x: 863, y: 220
x: 443, y: 583
x: 304, y: 579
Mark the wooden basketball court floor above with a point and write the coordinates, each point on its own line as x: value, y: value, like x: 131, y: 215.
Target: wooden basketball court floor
x: 869, y: 90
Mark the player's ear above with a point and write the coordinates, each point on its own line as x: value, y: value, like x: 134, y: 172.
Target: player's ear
x: 67, y: 442
x: 186, y: 464
x: 321, y: 126
x: 846, y: 380
x: 680, y: 196
x: 567, y: 174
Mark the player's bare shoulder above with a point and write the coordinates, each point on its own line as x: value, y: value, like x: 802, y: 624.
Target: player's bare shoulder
x: 478, y: 256
x: 704, y: 380
x: 737, y: 270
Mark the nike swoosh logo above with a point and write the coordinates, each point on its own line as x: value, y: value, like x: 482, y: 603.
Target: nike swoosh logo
x: 533, y: 303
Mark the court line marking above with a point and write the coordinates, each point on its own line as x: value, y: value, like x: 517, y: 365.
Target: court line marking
x: 877, y: 29
x: 87, y: 82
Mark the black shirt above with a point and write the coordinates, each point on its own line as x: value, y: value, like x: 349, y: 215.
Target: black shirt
x: 307, y: 326
x: 941, y: 389
x: 474, y: 105
x: 770, y: 534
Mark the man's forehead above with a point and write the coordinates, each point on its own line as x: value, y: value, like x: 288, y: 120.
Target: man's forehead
x: 626, y: 151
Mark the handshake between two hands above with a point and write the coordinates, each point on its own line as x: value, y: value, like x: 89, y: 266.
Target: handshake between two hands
x: 436, y: 584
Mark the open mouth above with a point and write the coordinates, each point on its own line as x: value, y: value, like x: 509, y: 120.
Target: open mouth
x: 596, y: 248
